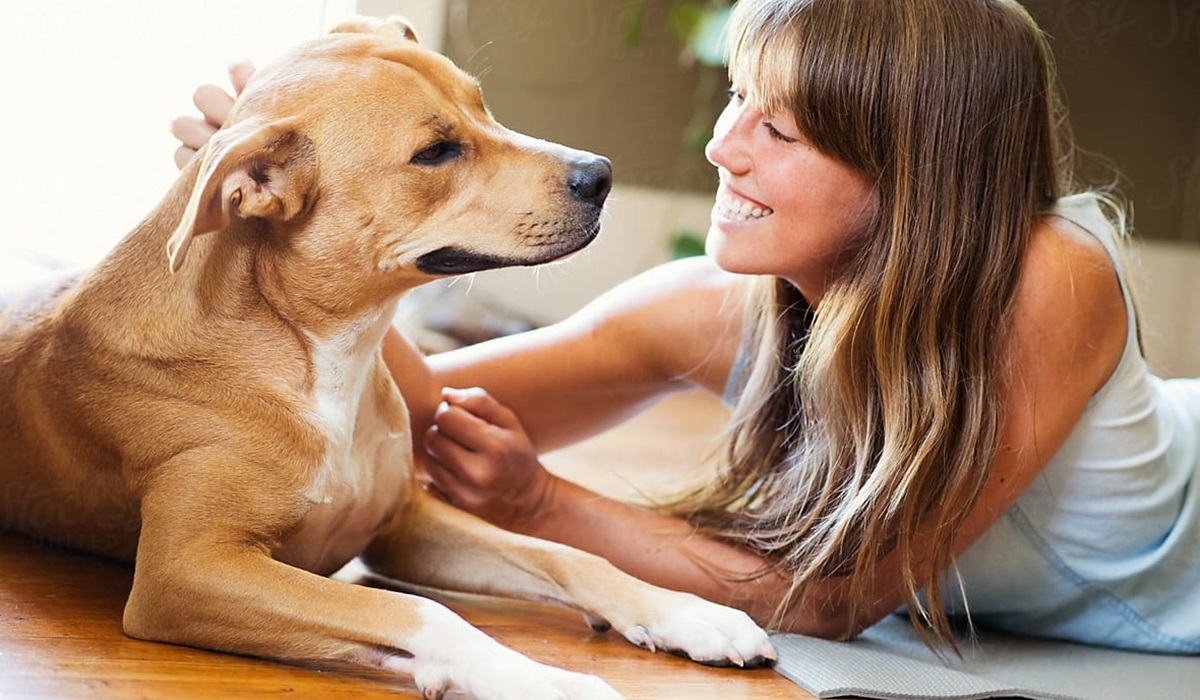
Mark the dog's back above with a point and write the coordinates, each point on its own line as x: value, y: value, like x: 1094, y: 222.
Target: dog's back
x: 55, y: 485
x: 100, y: 386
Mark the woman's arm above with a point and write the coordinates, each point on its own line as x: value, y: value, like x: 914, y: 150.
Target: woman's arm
x: 673, y: 327
x: 485, y: 463
x: 1069, y: 330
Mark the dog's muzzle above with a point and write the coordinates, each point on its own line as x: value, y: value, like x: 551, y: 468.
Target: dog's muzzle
x: 588, y: 183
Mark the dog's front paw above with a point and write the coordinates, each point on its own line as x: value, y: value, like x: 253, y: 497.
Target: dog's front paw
x: 705, y: 632
x: 513, y: 678
x: 450, y: 656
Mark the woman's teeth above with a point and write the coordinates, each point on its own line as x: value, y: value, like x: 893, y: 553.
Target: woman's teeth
x: 739, y: 209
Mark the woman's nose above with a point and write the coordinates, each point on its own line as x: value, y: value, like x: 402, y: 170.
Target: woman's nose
x: 726, y: 148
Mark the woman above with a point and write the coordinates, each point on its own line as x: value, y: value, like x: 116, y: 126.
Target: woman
x: 938, y: 396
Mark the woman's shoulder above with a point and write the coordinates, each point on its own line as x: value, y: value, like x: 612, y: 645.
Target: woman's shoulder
x: 684, y: 317
x: 1063, y: 244
x: 1070, y: 299
x: 689, y: 290
x: 697, y: 272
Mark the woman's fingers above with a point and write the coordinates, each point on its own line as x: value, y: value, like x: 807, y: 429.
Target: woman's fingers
x: 192, y: 132
x: 479, y: 464
x: 471, y: 481
x: 239, y: 74
x: 214, y: 103
x: 448, y: 453
x: 468, y: 429
x: 482, y: 404
x: 183, y: 156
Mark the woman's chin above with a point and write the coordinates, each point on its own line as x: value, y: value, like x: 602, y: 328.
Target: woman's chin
x: 730, y: 253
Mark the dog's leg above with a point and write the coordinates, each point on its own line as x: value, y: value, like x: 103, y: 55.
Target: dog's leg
x: 433, y: 544
x: 204, y: 585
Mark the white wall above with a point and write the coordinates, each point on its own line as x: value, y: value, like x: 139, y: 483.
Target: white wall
x: 1167, y: 279
x: 89, y: 88
x: 428, y: 17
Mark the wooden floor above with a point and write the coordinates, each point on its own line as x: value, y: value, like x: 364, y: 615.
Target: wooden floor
x: 60, y: 612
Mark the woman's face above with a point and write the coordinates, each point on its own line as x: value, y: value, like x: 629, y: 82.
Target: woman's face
x: 783, y: 208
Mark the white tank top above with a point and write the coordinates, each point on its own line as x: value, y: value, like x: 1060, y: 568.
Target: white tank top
x: 1104, y: 546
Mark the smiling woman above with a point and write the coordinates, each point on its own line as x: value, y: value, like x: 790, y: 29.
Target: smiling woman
x: 91, y: 88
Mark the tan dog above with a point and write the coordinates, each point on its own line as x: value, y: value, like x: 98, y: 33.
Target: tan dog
x: 222, y: 412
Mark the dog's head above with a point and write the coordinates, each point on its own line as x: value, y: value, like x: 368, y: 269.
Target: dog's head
x: 368, y: 156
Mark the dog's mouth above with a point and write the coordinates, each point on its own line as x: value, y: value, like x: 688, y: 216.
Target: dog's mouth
x: 457, y: 261
x: 453, y: 260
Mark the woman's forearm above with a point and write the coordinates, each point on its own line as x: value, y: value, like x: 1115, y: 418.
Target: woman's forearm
x: 659, y: 549
x: 671, y: 553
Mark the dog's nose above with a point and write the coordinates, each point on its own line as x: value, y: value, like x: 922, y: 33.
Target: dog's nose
x: 591, y: 180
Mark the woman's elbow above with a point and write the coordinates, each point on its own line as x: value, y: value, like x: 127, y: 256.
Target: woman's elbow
x: 825, y: 626
x: 823, y: 620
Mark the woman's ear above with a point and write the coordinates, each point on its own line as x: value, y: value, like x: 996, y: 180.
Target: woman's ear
x: 249, y: 169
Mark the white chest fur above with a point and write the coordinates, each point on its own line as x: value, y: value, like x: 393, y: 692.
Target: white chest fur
x: 342, y: 365
x: 367, y: 457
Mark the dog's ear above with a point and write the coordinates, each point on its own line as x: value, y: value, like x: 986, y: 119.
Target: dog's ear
x: 392, y: 26
x: 249, y: 169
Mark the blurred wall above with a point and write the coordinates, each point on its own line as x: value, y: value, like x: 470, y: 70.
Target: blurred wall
x: 558, y: 69
x: 1131, y: 73
x: 561, y: 70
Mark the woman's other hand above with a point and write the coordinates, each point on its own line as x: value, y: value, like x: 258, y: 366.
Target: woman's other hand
x: 214, y: 104
x: 483, y: 461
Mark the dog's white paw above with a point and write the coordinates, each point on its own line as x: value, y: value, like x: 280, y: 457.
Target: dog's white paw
x: 705, y: 632
x: 451, y: 656
x: 507, y: 677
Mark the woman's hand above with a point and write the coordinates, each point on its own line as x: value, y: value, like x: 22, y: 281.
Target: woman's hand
x: 483, y: 461
x: 214, y: 104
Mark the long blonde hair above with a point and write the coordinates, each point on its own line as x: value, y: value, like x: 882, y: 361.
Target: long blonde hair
x: 876, y: 414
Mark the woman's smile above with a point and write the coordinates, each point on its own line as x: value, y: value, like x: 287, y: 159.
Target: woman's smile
x: 734, y: 207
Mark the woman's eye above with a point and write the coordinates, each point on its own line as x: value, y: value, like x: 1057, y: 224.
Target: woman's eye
x: 437, y: 153
x: 777, y: 134
x: 734, y: 95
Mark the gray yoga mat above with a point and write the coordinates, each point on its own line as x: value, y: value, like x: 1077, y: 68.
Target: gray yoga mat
x: 888, y: 661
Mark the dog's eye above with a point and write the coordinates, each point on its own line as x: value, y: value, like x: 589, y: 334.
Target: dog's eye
x: 437, y: 153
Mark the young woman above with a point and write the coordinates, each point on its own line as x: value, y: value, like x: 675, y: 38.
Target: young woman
x: 938, y: 395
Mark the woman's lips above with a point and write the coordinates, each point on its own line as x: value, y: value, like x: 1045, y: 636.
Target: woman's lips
x: 737, y: 208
